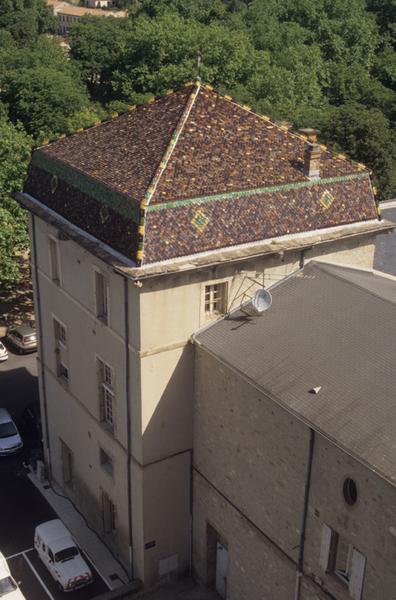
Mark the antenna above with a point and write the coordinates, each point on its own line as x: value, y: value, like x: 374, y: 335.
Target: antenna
x: 260, y: 302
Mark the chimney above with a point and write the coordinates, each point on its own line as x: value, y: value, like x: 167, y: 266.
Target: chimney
x: 309, y: 133
x: 312, y: 161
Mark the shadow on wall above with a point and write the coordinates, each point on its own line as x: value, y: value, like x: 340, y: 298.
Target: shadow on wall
x: 169, y: 429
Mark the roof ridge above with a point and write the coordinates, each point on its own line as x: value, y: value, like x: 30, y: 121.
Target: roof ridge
x: 286, y: 131
x: 144, y: 203
x: 321, y: 267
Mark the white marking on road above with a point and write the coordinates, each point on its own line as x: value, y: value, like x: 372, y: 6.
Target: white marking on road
x: 38, y: 577
x: 18, y: 553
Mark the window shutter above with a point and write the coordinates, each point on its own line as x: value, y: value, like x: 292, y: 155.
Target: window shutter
x: 357, y: 575
x: 325, y: 547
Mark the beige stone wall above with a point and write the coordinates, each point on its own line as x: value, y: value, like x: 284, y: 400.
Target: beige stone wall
x: 250, y: 460
x: 365, y: 525
x: 257, y: 570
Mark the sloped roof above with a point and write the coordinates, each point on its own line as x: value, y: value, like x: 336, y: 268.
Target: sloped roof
x: 192, y: 172
x: 329, y: 327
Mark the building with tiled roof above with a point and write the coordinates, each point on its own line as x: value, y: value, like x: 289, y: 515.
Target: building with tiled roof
x: 195, y: 172
x: 68, y: 14
x: 145, y: 228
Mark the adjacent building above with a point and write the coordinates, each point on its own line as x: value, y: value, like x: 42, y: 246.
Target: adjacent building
x: 144, y: 229
x: 294, y: 455
x: 68, y: 14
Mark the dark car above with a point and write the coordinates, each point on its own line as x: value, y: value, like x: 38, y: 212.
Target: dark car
x: 23, y: 338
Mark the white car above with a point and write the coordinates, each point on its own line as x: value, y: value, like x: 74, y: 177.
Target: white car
x: 3, y: 352
x: 9, y: 589
x: 10, y: 440
x: 61, y: 555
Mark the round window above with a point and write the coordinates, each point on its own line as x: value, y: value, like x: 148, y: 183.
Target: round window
x: 350, y: 491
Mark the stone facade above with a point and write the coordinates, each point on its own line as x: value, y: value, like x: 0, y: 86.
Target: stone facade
x: 250, y: 473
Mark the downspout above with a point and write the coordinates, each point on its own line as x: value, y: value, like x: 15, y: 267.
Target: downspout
x: 41, y: 359
x: 300, y: 564
x: 128, y: 413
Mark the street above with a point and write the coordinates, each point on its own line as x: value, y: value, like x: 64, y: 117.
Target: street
x: 22, y: 507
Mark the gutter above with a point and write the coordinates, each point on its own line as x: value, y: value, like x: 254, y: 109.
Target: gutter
x: 128, y: 413
x: 300, y: 563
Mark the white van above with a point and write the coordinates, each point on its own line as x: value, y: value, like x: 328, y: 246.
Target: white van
x: 61, y: 555
x: 9, y: 589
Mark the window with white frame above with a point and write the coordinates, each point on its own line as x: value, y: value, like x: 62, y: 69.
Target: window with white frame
x: 215, y: 299
x: 106, y: 394
x: 61, y: 351
x: 340, y: 558
x: 108, y: 513
x: 54, y: 260
x: 101, y: 297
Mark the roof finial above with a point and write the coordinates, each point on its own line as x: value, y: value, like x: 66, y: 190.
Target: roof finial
x: 199, y: 61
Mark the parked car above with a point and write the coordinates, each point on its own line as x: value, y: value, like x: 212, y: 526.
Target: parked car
x: 10, y: 440
x: 3, y: 352
x: 9, y: 589
x: 61, y: 555
x: 24, y: 338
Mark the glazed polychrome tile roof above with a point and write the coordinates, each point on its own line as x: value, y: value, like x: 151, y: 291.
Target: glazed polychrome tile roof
x: 193, y: 172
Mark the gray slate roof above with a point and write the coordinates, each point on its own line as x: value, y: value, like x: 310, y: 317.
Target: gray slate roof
x: 328, y: 326
x: 385, y: 246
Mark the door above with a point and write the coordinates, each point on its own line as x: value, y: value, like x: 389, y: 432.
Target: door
x: 221, y: 570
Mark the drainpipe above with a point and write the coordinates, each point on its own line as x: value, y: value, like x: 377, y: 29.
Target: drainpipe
x: 300, y: 564
x: 128, y: 413
x: 41, y: 359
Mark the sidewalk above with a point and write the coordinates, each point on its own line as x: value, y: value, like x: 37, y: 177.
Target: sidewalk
x: 107, y: 566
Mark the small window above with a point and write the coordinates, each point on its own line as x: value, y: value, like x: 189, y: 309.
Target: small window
x: 67, y: 463
x: 215, y: 299
x: 101, y: 297
x: 54, y: 260
x: 106, y: 461
x: 349, y: 491
x: 60, y: 333
x: 63, y: 371
x: 108, y: 514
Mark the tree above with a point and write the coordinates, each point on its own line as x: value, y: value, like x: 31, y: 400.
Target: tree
x: 26, y: 19
x: 43, y: 90
x: 15, y: 149
x: 96, y: 46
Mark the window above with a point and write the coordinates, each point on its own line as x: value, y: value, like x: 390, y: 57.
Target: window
x: 106, y: 461
x: 61, y: 351
x: 340, y: 558
x: 60, y: 333
x: 54, y: 260
x: 108, y: 514
x: 349, y: 491
x: 67, y: 464
x: 215, y: 299
x: 106, y: 394
x: 101, y: 297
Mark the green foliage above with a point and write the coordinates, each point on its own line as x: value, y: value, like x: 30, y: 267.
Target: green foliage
x: 25, y: 20
x: 43, y: 90
x: 15, y: 148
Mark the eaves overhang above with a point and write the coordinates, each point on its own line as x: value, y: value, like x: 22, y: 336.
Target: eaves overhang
x: 208, y: 259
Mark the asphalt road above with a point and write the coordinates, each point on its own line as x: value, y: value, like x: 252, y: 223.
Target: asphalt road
x: 22, y: 507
